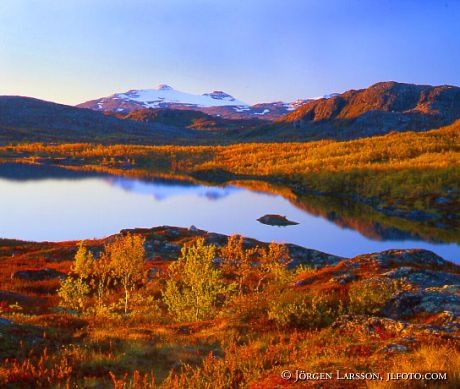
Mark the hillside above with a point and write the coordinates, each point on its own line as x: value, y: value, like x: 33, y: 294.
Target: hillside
x: 258, y: 310
x: 190, y: 119
x: 24, y: 119
x: 379, y: 109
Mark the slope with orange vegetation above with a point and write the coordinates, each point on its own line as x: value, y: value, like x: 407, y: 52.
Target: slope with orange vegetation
x: 395, y: 311
x: 409, y: 175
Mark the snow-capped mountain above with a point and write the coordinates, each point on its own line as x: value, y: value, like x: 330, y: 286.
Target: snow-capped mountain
x: 216, y: 103
x: 163, y: 96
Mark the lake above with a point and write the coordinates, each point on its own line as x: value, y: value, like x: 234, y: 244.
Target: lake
x: 51, y: 204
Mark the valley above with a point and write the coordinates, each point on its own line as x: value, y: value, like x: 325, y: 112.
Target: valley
x: 361, y: 204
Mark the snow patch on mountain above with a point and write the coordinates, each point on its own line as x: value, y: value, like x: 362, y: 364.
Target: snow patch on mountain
x: 164, y: 94
x: 325, y: 96
x: 263, y: 112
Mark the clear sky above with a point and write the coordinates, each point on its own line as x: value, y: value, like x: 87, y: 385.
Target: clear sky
x: 71, y: 51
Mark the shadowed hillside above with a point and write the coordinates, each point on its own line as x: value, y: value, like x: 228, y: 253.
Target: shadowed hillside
x: 24, y: 119
x: 190, y: 119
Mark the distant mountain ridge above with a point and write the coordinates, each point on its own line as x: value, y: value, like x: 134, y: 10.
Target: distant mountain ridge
x: 383, y: 107
x: 216, y: 103
x: 387, y: 96
x: 380, y: 109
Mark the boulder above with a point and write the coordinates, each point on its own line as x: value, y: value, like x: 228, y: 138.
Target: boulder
x: 409, y: 304
x: 38, y: 275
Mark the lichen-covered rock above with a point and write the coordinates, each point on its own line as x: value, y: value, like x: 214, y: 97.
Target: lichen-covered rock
x: 383, y: 328
x: 311, y: 258
x: 369, y: 326
x: 423, y: 278
x: 396, y: 348
x: 408, y: 258
x: 408, y: 304
x: 424, y: 258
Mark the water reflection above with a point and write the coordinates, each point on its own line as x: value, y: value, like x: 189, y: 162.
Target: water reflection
x: 161, y: 190
x: 47, y: 203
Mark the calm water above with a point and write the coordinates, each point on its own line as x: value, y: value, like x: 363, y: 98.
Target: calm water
x: 41, y: 203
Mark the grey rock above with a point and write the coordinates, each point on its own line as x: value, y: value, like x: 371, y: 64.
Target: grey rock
x: 372, y: 326
x: 38, y: 275
x: 420, y: 257
x: 311, y: 258
x: 424, y: 278
x: 171, y: 247
x: 395, y: 348
x: 343, y: 278
x: 407, y: 304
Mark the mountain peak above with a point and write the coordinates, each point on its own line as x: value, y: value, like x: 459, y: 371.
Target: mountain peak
x: 163, y: 87
x: 220, y: 95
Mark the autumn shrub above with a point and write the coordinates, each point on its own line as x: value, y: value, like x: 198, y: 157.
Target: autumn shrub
x: 430, y: 357
x: 194, y: 284
x: 105, y: 312
x: 45, y: 370
x: 305, y: 309
x: 73, y: 293
x: 42, y: 287
x: 240, y: 366
x: 121, y: 264
x: 254, y: 268
x: 145, y: 308
x: 369, y: 296
x: 248, y: 308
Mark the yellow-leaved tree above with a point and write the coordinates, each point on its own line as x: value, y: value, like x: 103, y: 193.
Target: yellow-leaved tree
x: 126, y: 255
x: 194, y: 284
x: 237, y: 262
x: 84, y: 262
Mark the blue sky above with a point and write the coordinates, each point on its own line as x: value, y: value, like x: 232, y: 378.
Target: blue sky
x: 257, y: 50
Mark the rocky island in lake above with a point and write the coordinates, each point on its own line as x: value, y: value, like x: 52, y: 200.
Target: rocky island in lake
x: 276, y: 220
